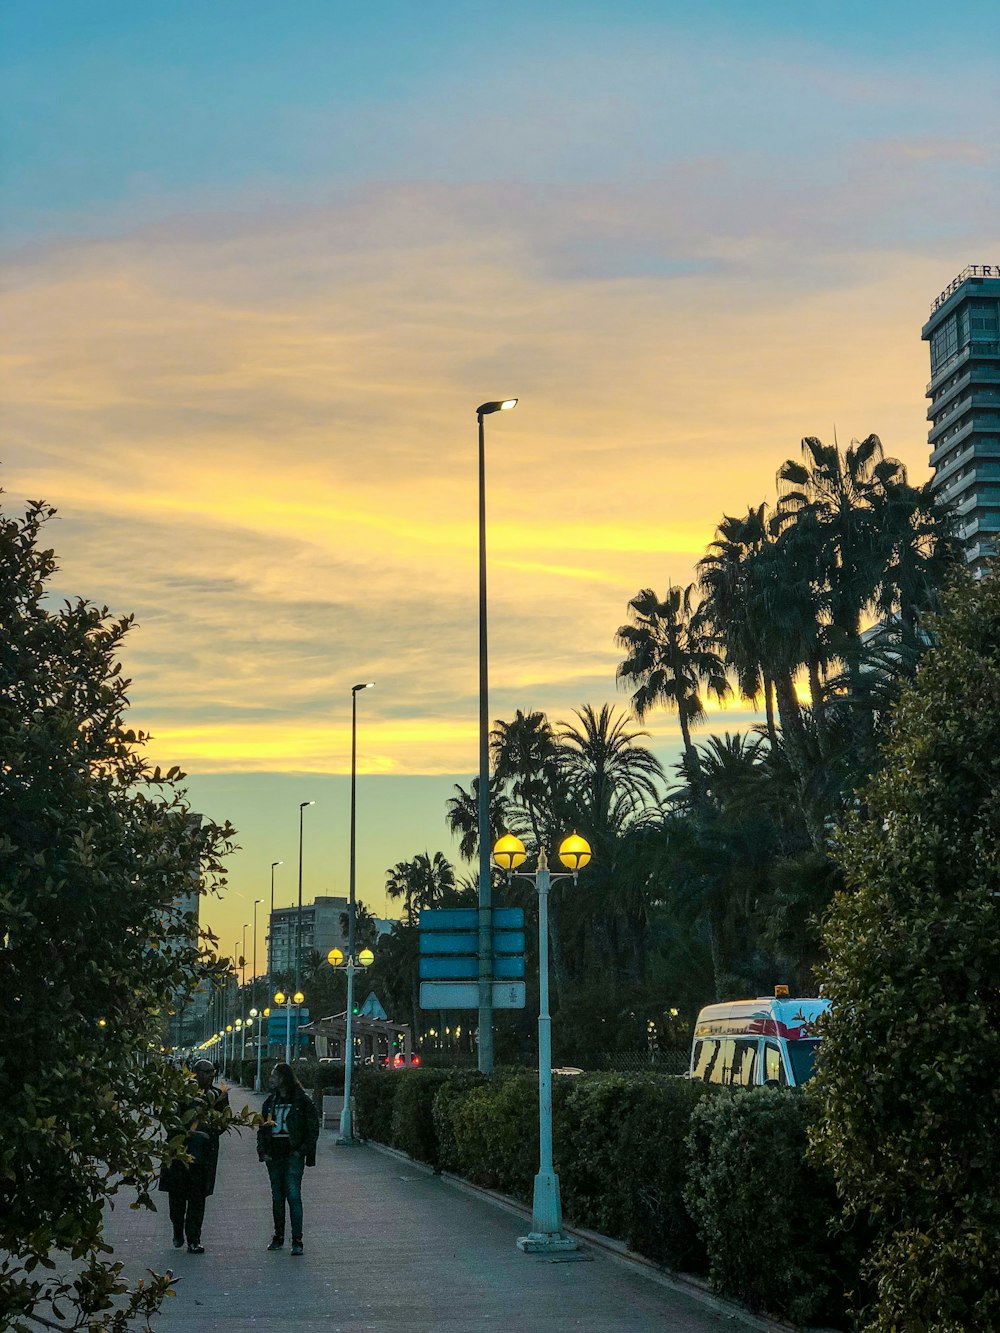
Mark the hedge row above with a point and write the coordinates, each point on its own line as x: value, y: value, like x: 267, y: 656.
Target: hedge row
x: 699, y: 1179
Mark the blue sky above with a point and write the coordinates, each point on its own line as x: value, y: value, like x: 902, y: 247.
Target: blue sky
x: 263, y: 261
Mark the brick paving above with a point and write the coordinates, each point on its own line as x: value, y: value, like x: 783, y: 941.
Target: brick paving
x: 388, y: 1246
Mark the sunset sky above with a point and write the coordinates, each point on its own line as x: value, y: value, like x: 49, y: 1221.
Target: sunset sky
x: 263, y: 261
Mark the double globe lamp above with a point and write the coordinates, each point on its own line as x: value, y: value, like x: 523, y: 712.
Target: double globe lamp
x: 547, y: 1235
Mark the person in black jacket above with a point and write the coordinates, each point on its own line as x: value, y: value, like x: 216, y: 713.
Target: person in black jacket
x: 203, y: 1117
x: 286, y: 1142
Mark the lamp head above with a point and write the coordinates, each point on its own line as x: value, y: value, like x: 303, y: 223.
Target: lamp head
x: 303, y: 804
x: 335, y: 957
x: 253, y: 1013
x: 279, y: 997
x: 366, y: 685
x: 574, y: 852
x: 267, y: 1012
x: 504, y: 405
x: 366, y: 958
x: 298, y: 997
x: 508, y: 852
x: 276, y: 863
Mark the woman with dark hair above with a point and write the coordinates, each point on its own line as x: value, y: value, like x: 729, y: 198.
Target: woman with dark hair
x: 286, y: 1143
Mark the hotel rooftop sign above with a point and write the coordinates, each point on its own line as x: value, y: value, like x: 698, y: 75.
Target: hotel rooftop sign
x: 972, y: 271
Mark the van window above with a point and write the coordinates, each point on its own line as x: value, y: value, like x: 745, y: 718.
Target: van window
x: 703, y: 1054
x: 744, y: 1063
x: 802, y: 1054
x: 774, y: 1066
x: 722, y: 1066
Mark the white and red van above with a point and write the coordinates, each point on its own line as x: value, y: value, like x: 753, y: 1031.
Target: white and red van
x: 749, y: 1043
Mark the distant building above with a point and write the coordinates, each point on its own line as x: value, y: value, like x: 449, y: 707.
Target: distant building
x: 321, y: 930
x: 964, y: 392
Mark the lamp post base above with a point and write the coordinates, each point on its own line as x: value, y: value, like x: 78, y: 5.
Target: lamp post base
x: 546, y: 1242
x: 345, y: 1139
x: 546, y: 1235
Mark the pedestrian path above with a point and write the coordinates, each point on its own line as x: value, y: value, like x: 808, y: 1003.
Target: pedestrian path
x: 388, y: 1247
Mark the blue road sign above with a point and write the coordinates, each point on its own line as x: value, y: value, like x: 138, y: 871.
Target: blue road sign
x: 467, y: 969
x: 449, y: 958
x: 465, y: 995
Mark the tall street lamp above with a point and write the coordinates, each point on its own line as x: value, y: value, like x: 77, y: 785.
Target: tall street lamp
x: 253, y: 989
x: 546, y: 1235
x: 288, y: 1000
x: 270, y: 931
x: 346, y: 1134
x: 485, y: 884
x: 303, y: 806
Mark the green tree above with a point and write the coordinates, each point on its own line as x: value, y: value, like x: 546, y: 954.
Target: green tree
x: 909, y: 1074
x: 671, y: 655
x: 97, y: 850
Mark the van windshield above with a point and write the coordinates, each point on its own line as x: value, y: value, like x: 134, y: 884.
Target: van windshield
x: 802, y: 1054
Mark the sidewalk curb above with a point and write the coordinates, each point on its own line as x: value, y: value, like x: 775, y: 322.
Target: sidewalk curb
x: 615, y: 1250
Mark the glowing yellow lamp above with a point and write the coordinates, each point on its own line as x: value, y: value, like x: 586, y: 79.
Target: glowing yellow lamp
x: 508, y: 852
x: 335, y: 957
x: 229, y: 1027
x: 102, y: 1022
x: 279, y: 997
x: 253, y: 1013
x: 298, y: 997
x: 574, y: 852
x: 366, y: 958
x: 267, y: 1012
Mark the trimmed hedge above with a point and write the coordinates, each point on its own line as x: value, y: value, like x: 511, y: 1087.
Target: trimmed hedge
x: 374, y: 1093
x: 769, y: 1219
x: 622, y: 1158
x: 694, y: 1177
x: 412, y: 1125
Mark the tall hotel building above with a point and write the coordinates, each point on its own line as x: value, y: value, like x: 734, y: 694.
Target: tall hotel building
x: 964, y: 334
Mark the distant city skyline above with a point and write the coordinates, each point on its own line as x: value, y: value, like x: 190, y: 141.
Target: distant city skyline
x: 263, y: 264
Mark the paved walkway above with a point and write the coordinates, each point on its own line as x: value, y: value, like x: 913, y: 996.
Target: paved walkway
x: 387, y: 1247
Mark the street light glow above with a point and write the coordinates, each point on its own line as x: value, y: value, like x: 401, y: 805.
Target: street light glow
x: 508, y: 852
x: 501, y: 405
x: 574, y: 852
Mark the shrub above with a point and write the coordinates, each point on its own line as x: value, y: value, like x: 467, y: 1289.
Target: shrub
x: 374, y: 1093
x: 328, y: 1081
x: 495, y: 1129
x: 764, y: 1213
x: 446, y: 1100
x: 413, y: 1112
x: 909, y: 1070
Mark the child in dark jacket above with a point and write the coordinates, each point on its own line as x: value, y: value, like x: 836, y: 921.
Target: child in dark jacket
x: 286, y: 1143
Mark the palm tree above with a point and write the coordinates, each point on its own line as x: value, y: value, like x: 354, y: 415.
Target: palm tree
x: 609, y: 777
x: 462, y: 814
x: 422, y: 882
x: 726, y: 576
x: 832, y: 498
x: 526, y: 761
x: 365, y: 926
x: 671, y: 654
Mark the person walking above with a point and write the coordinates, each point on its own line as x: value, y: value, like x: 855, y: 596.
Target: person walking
x: 204, y: 1116
x: 286, y: 1143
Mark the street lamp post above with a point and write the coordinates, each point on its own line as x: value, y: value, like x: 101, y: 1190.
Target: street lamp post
x: 546, y: 1235
x: 288, y: 1000
x: 336, y: 960
x: 485, y: 883
x: 253, y: 990
x: 270, y: 940
x: 303, y: 805
x: 346, y: 1128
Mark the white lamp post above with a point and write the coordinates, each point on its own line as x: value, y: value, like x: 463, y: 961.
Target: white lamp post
x: 336, y: 960
x: 288, y: 1000
x: 546, y: 1235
